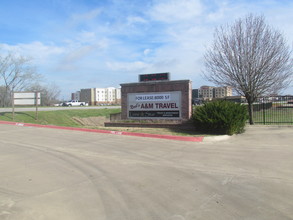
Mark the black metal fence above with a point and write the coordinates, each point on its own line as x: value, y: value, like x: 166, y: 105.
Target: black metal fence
x: 273, y: 110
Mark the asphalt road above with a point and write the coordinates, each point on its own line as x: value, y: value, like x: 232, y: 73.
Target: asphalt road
x: 29, y: 109
x: 57, y: 174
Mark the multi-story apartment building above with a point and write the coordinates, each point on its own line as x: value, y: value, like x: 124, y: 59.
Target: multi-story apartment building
x: 75, y: 95
x: 96, y: 96
x: 221, y: 92
x: 87, y: 95
x: 210, y: 92
x: 206, y: 92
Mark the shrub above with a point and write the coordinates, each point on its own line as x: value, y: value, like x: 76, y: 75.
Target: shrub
x: 220, y: 117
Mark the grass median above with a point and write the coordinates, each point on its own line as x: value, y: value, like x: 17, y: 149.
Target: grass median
x: 87, y: 118
x: 60, y: 118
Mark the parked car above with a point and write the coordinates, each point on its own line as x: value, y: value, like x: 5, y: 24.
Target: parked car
x: 74, y: 103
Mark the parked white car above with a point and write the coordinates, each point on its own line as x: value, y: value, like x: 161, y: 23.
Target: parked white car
x: 75, y: 103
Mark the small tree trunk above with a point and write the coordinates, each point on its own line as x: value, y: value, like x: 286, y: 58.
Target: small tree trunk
x: 250, y: 112
x: 250, y: 101
x: 5, y: 95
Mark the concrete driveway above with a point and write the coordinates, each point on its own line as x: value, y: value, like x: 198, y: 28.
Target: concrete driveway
x: 57, y: 174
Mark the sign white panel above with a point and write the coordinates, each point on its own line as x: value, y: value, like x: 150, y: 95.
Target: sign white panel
x: 26, y: 101
x: 152, y: 97
x: 26, y: 95
x: 158, y: 105
x: 26, y: 98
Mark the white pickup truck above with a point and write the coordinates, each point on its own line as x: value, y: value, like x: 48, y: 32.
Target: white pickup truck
x: 74, y: 103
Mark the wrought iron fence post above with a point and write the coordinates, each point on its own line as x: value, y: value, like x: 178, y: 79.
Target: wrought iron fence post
x: 274, y: 110
x: 263, y: 110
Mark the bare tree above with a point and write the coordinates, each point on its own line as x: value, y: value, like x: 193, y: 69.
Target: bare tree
x: 251, y: 57
x: 2, y: 95
x: 49, y: 93
x: 16, y: 73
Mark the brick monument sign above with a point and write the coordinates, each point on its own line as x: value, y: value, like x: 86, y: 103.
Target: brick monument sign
x: 156, y: 99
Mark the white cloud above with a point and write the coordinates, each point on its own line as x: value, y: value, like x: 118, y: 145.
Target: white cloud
x: 136, y: 66
x: 78, y: 54
x: 40, y: 52
x: 70, y: 60
x: 87, y: 16
x: 132, y: 20
x: 222, y: 8
x: 86, y: 37
x: 171, y: 11
x: 147, y: 52
x: 167, y: 36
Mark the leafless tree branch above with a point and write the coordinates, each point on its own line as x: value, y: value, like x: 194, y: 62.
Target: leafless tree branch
x: 251, y: 57
x: 16, y: 73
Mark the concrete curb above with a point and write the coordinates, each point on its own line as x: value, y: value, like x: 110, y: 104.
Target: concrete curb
x: 217, y: 138
x: 169, y: 137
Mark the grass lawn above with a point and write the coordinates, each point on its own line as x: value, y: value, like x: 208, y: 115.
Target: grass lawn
x: 274, y: 116
x: 66, y: 118
x: 60, y: 118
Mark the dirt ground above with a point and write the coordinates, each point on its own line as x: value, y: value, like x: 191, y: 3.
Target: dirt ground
x: 92, y: 121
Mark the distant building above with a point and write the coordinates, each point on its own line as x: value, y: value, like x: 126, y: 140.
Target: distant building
x: 206, y: 92
x: 196, y: 100
x: 195, y: 94
x: 237, y: 99
x: 98, y: 96
x: 220, y: 92
x: 211, y: 92
x: 75, y: 95
x: 87, y: 95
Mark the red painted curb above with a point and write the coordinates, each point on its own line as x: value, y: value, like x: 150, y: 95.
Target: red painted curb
x: 169, y: 137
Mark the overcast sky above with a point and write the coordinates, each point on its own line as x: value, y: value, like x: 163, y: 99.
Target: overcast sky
x: 103, y: 43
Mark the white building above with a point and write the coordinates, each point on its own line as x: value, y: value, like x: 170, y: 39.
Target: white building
x: 206, y: 92
x: 210, y: 92
x: 221, y: 92
x: 97, y: 96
